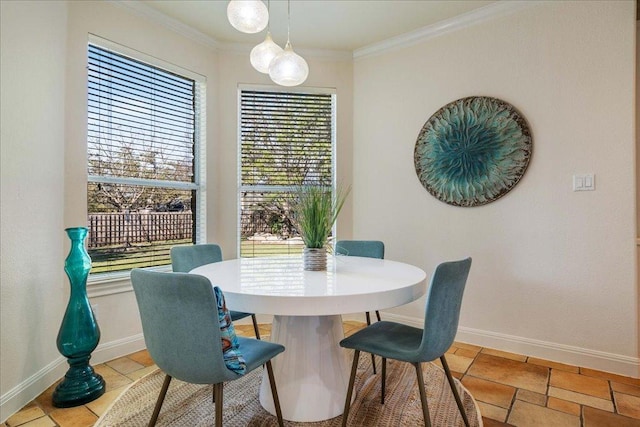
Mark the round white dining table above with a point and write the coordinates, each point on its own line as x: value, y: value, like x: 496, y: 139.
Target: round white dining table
x: 312, y: 374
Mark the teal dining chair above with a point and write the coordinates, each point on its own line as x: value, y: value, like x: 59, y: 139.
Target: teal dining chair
x: 186, y: 258
x: 182, y: 331
x: 391, y: 340
x: 367, y: 249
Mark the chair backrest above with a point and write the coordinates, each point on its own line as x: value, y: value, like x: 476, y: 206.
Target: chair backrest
x: 363, y: 248
x: 186, y: 258
x: 442, y: 311
x: 180, y: 325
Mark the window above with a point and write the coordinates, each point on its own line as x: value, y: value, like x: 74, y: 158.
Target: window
x: 287, y: 139
x: 144, y: 142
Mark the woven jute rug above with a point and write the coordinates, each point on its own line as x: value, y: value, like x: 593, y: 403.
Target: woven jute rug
x: 189, y: 405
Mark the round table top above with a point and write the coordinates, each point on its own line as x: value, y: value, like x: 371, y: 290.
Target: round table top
x: 280, y: 285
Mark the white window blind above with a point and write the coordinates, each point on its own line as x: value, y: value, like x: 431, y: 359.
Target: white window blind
x: 287, y: 139
x: 143, y: 143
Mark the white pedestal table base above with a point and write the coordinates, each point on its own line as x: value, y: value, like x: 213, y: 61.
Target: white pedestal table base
x: 312, y: 374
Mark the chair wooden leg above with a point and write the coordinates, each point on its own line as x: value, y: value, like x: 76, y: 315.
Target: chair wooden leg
x: 352, y: 380
x: 218, y: 392
x: 454, y: 390
x: 423, y: 395
x: 255, y: 326
x: 163, y: 393
x: 378, y: 315
x: 384, y: 378
x: 274, y: 393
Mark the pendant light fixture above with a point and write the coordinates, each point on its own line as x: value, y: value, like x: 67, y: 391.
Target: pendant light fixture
x: 248, y: 16
x: 288, y: 68
x: 262, y: 55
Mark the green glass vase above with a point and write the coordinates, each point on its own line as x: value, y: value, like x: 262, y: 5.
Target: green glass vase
x: 79, y: 333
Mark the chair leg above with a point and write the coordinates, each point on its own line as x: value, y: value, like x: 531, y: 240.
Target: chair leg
x: 274, y: 393
x: 378, y: 315
x: 373, y: 358
x: 373, y: 363
x: 218, y: 392
x: 352, y: 380
x: 423, y: 395
x: 255, y: 326
x: 454, y: 390
x: 384, y: 378
x: 163, y: 393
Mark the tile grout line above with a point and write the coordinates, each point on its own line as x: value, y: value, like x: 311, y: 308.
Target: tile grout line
x: 613, y: 398
x: 513, y: 401
x: 466, y: 373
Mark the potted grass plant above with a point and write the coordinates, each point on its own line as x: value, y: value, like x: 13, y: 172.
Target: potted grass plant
x: 315, y: 211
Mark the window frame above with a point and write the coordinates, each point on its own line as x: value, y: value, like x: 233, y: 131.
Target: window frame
x: 279, y: 188
x: 107, y: 283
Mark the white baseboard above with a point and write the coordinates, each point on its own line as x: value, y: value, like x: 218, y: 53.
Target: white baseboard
x: 360, y: 317
x: 571, y: 355
x: 118, y: 348
x: 23, y: 393
x: 406, y: 320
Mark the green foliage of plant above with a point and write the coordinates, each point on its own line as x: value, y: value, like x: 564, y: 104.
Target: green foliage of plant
x: 315, y: 211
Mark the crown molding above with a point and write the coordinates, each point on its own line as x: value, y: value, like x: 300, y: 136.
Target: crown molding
x: 147, y: 12
x: 465, y: 20
x: 343, y: 55
x: 245, y: 49
x: 469, y: 19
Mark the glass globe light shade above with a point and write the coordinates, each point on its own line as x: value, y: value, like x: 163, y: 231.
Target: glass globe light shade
x: 262, y: 55
x: 248, y: 16
x: 288, y: 68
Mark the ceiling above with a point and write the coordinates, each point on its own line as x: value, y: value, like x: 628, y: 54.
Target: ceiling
x: 342, y: 25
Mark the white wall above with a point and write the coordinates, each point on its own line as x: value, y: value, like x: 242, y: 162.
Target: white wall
x: 637, y: 123
x: 638, y: 172
x: 32, y: 295
x: 553, y: 271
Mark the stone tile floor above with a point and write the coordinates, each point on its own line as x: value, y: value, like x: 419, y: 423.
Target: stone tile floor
x: 511, y: 390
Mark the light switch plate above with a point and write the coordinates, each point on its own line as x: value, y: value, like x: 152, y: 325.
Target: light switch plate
x: 584, y: 182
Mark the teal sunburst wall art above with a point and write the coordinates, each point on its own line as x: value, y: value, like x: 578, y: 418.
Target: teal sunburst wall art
x: 473, y: 151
